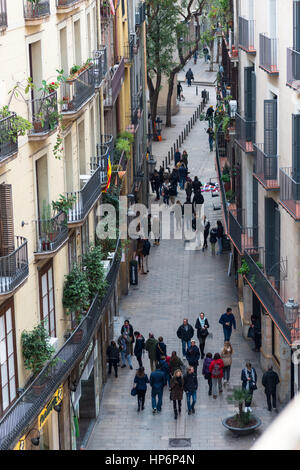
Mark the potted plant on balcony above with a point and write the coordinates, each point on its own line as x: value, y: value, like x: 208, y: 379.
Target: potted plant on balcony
x: 33, y: 8
x: 63, y: 204
x: 94, y: 270
x: 242, y: 423
x: 46, y: 227
x: 37, y: 351
x: 18, y: 126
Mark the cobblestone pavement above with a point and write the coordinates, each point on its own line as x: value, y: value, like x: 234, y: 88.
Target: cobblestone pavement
x: 181, y: 283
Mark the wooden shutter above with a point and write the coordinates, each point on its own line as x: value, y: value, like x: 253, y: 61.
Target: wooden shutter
x: 6, y: 220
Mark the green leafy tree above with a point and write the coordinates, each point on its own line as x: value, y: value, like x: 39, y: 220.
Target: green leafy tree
x: 36, y: 348
x: 76, y: 293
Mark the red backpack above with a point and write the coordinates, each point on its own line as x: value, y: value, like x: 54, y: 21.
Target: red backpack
x: 216, y: 370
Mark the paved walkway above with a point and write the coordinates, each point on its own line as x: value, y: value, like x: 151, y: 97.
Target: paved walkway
x: 181, y: 283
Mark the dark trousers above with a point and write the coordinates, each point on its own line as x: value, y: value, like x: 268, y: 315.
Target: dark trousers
x: 175, y: 406
x: 139, y: 359
x: 269, y: 397
x: 249, y: 399
x: 202, y: 346
x: 141, y: 398
x: 209, y: 381
x: 157, y: 192
x: 227, y: 333
x: 113, y: 364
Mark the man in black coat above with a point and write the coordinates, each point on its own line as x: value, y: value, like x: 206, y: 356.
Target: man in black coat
x: 139, y: 347
x: 190, y: 385
x: 128, y: 330
x: 185, y: 332
x: 193, y: 355
x: 270, y: 380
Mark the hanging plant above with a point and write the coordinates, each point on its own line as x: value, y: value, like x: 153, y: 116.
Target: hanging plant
x: 76, y: 293
x: 94, y: 270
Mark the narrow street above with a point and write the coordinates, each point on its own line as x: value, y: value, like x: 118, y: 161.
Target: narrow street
x: 181, y: 283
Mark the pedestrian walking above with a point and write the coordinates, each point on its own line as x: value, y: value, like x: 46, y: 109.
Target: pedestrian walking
x: 157, y: 382
x: 197, y: 201
x: 184, y: 158
x: 249, y: 379
x: 150, y: 346
x: 182, y: 173
x: 213, y: 240
x: 124, y: 343
x: 156, y: 229
x: 205, y: 53
x: 210, y: 116
x: 128, y: 330
x: 173, y: 192
x: 270, y: 380
x: 141, y: 380
x: 226, y: 356
x: 161, y: 174
x: 189, y: 76
x: 161, y: 349
x: 113, y: 357
x: 152, y: 182
x: 176, y: 395
x: 146, y: 252
x: 193, y: 355
x: 175, y: 363
x: 206, y: 372
x: 205, y: 232
x: 190, y: 386
x: 177, y: 157
x: 166, y: 192
x: 211, y: 136
x: 216, y: 370
x: 178, y: 215
x: 156, y: 180
x: 179, y: 90
x: 202, y: 326
x: 185, y: 333
x: 220, y: 235
x: 188, y: 190
x: 196, y: 184
x: 256, y: 325
x: 164, y: 366
x: 139, y: 347
x: 195, y: 57
x: 227, y: 320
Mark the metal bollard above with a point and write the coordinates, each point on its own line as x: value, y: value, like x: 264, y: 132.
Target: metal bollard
x: 169, y: 157
x: 174, y: 146
x: 172, y: 154
x: 177, y: 146
x: 163, y: 164
x: 182, y: 137
x: 196, y: 90
x: 179, y: 141
x: 166, y: 160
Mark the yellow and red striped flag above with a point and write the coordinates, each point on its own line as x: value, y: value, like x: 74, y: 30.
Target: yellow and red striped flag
x: 108, y: 175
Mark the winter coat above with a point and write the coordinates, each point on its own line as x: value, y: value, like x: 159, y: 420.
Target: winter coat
x: 177, y: 157
x: 226, y: 357
x: 225, y: 318
x: 220, y: 231
x: 176, y: 386
x: 193, y: 355
x: 218, y: 362
x: 196, y: 185
x: 157, y: 380
x: 150, y: 346
x: 146, y: 247
x: 190, y: 382
x: 205, y: 368
x: 270, y: 380
x: 141, y: 382
x: 175, y: 363
x: 139, y: 345
x: 161, y: 350
x: 127, y: 342
x: 213, y: 236
x: 113, y: 354
x: 197, y: 199
x: 123, y: 330
x: 244, y: 377
x: 165, y: 368
x: 185, y: 335
x: 201, y: 332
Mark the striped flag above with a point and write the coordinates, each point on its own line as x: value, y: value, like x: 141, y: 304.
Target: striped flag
x: 112, y: 7
x: 108, y: 175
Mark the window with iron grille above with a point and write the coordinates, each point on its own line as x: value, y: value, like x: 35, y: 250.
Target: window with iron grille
x: 47, y: 300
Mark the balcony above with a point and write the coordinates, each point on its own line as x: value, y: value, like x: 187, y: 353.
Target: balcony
x: 65, y: 6
x: 100, y: 65
x: 105, y: 12
x: 245, y: 133
x: 43, y: 114
x: 35, y: 14
x: 290, y: 191
x: 266, y: 169
x: 140, y: 14
x: 137, y: 108
x: 77, y: 92
x: 243, y: 238
x: 267, y: 295
x: 268, y: 54
x: 92, y: 186
x: 108, y: 140
x: 27, y: 407
x: 246, y: 35
x: 3, y: 15
x: 129, y: 51
x: 115, y: 84
x: 14, y: 268
x: 221, y: 152
x: 231, y: 48
x: 293, y: 69
x: 8, y: 137
x: 51, y: 235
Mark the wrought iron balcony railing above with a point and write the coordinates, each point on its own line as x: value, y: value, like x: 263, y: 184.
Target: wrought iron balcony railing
x: 242, y: 237
x: 51, y: 233
x: 293, y: 69
x: 268, y: 54
x: 66, y: 3
x: 100, y: 65
x: 115, y: 83
x: 245, y: 133
x: 14, y: 267
x: 77, y: 91
x: 221, y: 152
x: 3, y: 14
x: 246, y: 35
x: 43, y: 113
x: 28, y: 406
x: 108, y: 140
x: 129, y: 50
x: 137, y: 107
x: 290, y: 191
x: 8, y: 137
x: 266, y: 168
x: 105, y: 12
x: 88, y: 195
x: 36, y: 10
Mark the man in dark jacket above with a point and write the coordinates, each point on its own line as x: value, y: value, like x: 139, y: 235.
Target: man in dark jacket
x: 128, y: 330
x: 157, y: 382
x: 193, y: 355
x: 146, y: 252
x: 228, y: 321
x: 161, y: 349
x: 177, y: 157
x: 190, y: 385
x: 150, y: 346
x: 113, y: 357
x: 198, y: 199
x: 270, y: 380
x: 189, y: 76
x: 139, y: 347
x: 185, y: 332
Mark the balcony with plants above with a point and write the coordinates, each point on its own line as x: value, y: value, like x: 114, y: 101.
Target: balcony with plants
x: 78, y: 89
x: 105, y: 11
x: 65, y: 6
x: 36, y: 11
x: 14, y: 267
x: 11, y: 127
x: 51, y: 230
x: 44, y: 115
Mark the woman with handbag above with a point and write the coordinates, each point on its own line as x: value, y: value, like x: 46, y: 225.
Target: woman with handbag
x: 202, y: 326
x: 176, y: 394
x: 249, y: 379
x: 141, y: 380
x: 226, y: 356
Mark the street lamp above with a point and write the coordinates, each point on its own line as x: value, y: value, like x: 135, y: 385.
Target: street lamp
x: 291, y: 311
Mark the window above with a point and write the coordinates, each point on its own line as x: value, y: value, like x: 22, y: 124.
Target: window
x: 8, y: 374
x: 47, y: 301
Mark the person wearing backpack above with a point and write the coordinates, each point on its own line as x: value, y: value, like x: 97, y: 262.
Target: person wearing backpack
x: 213, y: 240
x: 202, y: 326
x: 146, y: 251
x: 216, y: 369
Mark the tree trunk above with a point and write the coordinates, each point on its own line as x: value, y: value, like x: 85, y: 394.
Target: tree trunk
x: 154, y: 95
x: 169, y: 100
x: 218, y: 51
x: 211, y: 49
